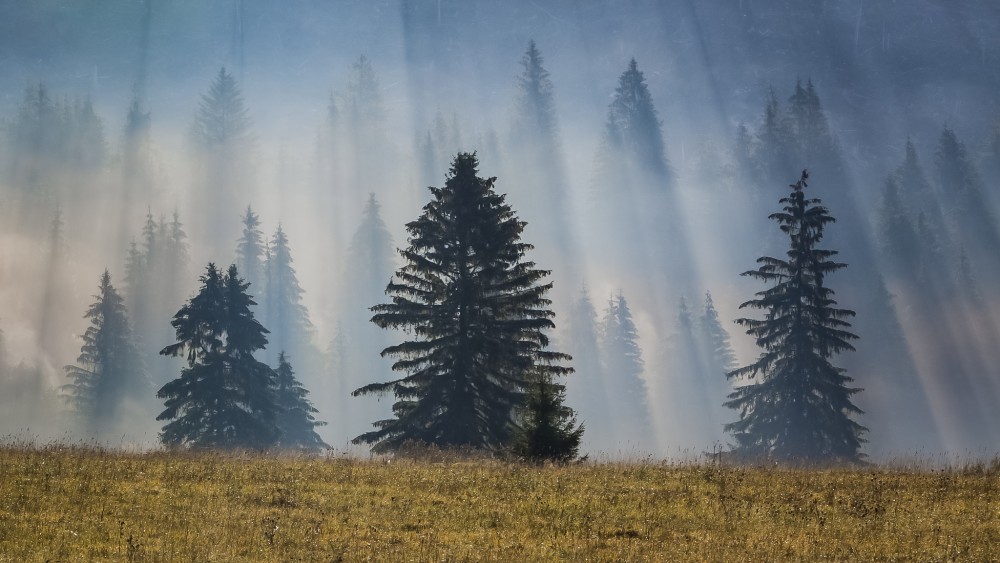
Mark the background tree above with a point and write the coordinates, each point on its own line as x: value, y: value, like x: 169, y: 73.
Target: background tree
x: 223, y: 142
x: 295, y: 420
x: 479, y: 314
x: 224, y: 397
x: 623, y: 366
x: 250, y: 252
x: 587, y: 389
x: 287, y: 318
x: 368, y: 267
x: 108, y: 375
x: 800, y: 408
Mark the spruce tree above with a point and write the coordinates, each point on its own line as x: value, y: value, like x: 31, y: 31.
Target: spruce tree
x: 897, y: 236
x: 288, y: 319
x: 549, y: 431
x: 623, y: 367
x: 478, y: 313
x: 540, y: 178
x: 633, y: 130
x: 224, y: 397
x: 295, y: 420
x: 368, y: 267
x: 799, y: 408
x: 108, y: 373
x: 587, y: 389
x: 223, y: 142
x: 715, y: 340
x: 967, y: 207
x: 250, y: 252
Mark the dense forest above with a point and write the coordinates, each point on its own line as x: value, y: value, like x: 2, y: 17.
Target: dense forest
x: 616, y: 228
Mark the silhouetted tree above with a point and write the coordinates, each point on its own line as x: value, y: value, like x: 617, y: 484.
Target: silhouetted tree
x: 479, y: 314
x: 224, y: 397
x: 800, y: 407
x: 549, y: 431
x: 295, y: 420
x: 108, y: 373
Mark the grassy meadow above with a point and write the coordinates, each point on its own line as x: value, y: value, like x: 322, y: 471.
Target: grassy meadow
x: 65, y: 503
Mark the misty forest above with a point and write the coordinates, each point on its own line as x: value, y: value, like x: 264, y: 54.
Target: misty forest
x: 628, y: 228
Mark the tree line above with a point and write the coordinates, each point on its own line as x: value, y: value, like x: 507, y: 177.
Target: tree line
x: 632, y: 160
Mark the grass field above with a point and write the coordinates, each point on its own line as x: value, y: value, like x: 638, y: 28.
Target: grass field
x: 62, y: 503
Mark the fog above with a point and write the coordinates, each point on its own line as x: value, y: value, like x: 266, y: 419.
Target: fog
x: 353, y: 108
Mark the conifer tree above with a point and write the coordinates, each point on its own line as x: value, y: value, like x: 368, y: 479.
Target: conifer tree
x: 287, y: 317
x: 478, y: 312
x: 108, y: 373
x: 223, y: 140
x: 549, y: 431
x: 715, y: 340
x: 968, y: 209
x: 368, y: 267
x: 295, y: 420
x: 623, y: 366
x: 799, y: 408
x: 539, y: 182
x: 774, y: 141
x: 250, y: 252
x: 632, y: 131
x: 896, y: 234
x: 222, y: 122
x: 224, y: 397
x: 587, y: 389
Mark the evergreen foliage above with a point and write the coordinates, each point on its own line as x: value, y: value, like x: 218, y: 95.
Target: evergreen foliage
x: 549, y: 431
x: 222, y: 122
x: 295, y: 420
x: 967, y: 207
x: 224, y: 397
x: 108, y: 372
x: 800, y: 408
x: 250, y: 251
x: 623, y: 367
x: 632, y: 131
x: 715, y: 339
x: 586, y: 389
x: 479, y: 314
x: 287, y: 317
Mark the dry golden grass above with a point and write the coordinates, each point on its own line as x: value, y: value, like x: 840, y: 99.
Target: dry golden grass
x: 64, y: 503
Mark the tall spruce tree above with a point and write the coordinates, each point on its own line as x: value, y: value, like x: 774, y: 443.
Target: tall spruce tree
x: 479, y: 314
x: 967, y: 207
x: 633, y: 130
x: 224, y: 397
x: 287, y: 318
x: 295, y: 420
x: 109, y: 372
x: 799, y: 409
x: 223, y: 140
x: 250, y: 251
x: 540, y: 179
x: 623, y: 367
x: 587, y: 389
x: 368, y: 267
